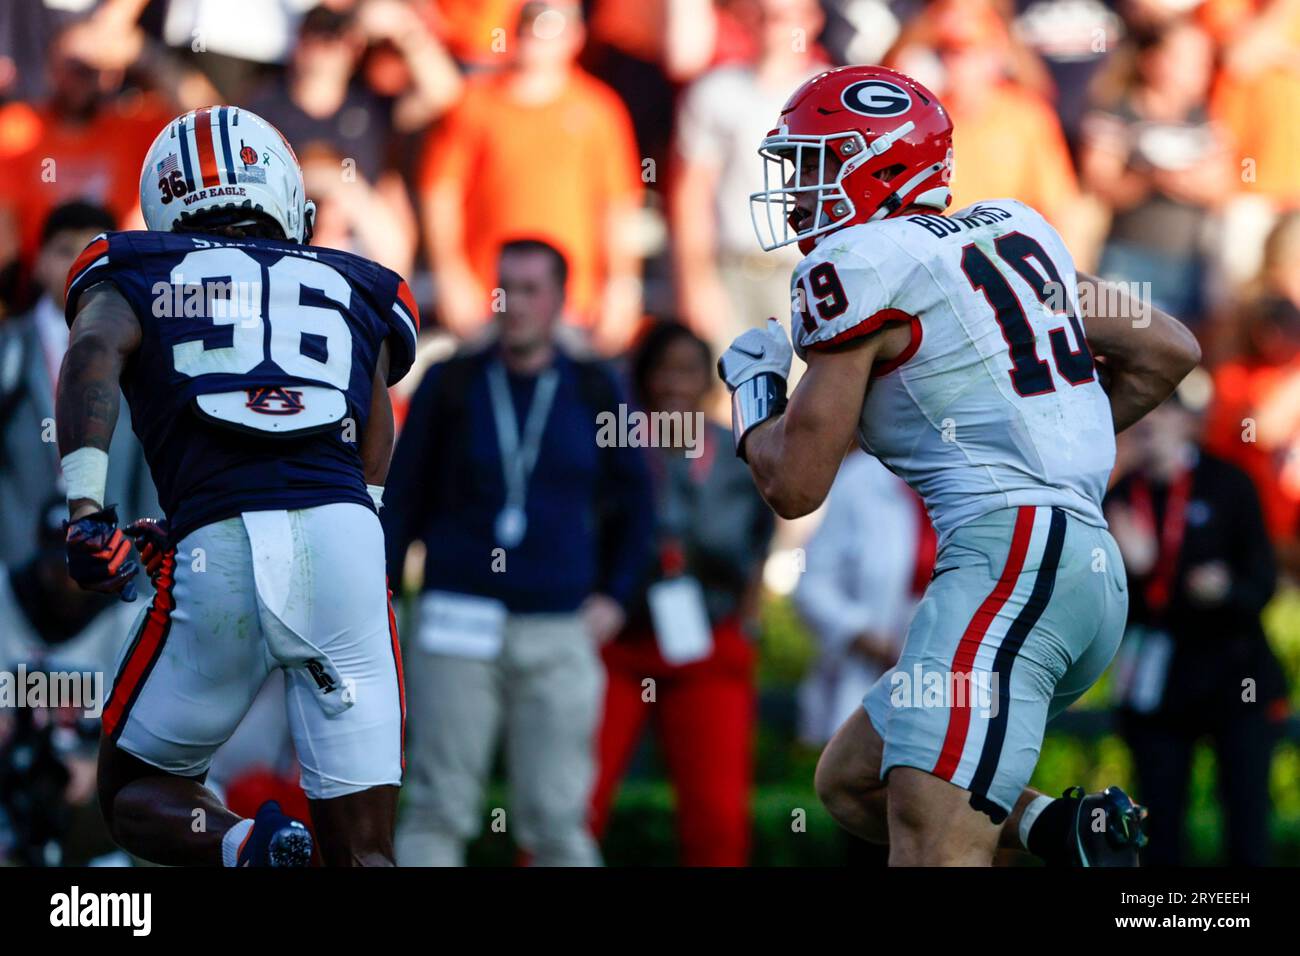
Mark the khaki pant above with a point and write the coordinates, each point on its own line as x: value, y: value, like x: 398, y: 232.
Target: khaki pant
x: 544, y: 691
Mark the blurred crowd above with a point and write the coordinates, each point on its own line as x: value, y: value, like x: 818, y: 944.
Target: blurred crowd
x: 618, y: 137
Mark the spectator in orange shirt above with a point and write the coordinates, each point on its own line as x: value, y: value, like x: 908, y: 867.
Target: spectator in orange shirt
x: 1007, y: 139
x: 1254, y: 421
x: 540, y: 149
x: 644, y: 50
x: 1256, y: 97
x: 86, y: 142
x: 474, y: 30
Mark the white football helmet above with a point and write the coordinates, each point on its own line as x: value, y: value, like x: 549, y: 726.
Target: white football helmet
x: 223, y: 158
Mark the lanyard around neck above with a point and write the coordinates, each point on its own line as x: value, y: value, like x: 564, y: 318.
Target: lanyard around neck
x: 519, y: 456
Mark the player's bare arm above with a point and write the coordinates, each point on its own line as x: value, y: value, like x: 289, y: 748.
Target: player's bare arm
x: 794, y: 455
x: 1141, y: 364
x: 105, y: 332
x: 103, y: 336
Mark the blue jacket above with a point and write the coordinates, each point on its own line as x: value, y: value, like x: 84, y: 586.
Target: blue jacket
x: 589, y: 509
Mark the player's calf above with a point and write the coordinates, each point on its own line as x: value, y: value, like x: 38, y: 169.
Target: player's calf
x: 158, y: 816
x: 932, y: 823
x: 177, y: 821
x: 861, y: 809
x: 848, y: 781
x: 357, y: 829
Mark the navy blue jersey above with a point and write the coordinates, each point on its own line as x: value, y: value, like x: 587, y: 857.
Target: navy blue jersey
x: 251, y: 387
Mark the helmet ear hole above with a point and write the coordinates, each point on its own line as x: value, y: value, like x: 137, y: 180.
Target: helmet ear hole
x: 889, y: 172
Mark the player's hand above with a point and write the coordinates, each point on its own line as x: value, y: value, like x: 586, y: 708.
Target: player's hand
x: 99, y: 555
x: 151, y: 541
x: 754, y: 352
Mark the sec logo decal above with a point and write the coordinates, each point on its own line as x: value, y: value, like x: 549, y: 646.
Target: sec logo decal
x: 876, y: 98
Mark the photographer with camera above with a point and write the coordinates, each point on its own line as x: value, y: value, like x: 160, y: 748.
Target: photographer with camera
x: 54, y: 638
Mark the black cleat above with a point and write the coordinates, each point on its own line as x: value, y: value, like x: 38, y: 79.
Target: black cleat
x: 276, y: 840
x: 1116, y: 843
x: 290, y: 846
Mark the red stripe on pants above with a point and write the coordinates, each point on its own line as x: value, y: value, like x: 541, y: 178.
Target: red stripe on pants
x: 147, y: 648
x: 963, y: 660
x: 401, y: 679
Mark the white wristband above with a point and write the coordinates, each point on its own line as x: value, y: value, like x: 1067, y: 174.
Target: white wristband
x: 376, y: 495
x: 85, y: 472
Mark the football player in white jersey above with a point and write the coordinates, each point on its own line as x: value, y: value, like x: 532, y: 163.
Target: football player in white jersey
x: 968, y: 355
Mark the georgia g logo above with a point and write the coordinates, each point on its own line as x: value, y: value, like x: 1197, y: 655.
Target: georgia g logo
x: 876, y: 98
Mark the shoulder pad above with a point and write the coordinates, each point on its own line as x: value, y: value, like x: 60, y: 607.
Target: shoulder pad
x: 403, y: 318
x: 92, y: 266
x: 842, y: 291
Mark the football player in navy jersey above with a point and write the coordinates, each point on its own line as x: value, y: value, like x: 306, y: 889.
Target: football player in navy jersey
x: 257, y: 370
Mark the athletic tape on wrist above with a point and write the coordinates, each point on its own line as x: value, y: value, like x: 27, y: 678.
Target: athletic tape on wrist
x: 85, y: 471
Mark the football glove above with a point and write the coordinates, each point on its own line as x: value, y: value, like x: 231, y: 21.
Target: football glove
x: 754, y: 352
x: 152, y: 543
x: 99, y: 555
x: 755, y: 369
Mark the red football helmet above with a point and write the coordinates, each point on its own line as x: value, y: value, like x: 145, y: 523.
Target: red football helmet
x: 893, y: 139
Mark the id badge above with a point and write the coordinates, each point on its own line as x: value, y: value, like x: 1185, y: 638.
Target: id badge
x: 680, y: 620
x: 1142, y: 669
x: 461, y: 625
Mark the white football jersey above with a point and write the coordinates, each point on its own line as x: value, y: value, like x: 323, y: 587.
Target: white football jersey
x: 995, y: 403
